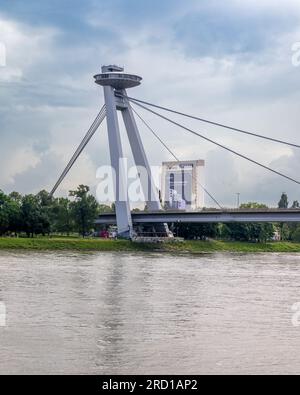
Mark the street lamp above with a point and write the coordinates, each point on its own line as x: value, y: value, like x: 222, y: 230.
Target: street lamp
x: 238, y: 199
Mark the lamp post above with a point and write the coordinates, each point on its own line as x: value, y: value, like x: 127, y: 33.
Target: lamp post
x: 238, y: 195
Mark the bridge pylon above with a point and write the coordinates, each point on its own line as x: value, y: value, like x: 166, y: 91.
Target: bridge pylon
x: 115, y: 83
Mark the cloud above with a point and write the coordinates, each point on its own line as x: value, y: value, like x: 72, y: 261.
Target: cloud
x: 226, y: 62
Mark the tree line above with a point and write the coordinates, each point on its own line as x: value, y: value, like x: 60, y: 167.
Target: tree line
x: 251, y: 232
x: 42, y: 214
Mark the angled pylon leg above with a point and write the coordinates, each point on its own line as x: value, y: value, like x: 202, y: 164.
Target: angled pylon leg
x: 141, y: 160
x: 124, y: 220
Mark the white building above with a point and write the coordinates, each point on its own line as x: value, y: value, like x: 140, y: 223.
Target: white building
x: 182, y: 185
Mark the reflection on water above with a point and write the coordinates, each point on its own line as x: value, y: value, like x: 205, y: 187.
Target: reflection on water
x: 129, y: 314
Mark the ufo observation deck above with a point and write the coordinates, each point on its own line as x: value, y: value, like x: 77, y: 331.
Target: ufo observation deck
x: 118, y: 80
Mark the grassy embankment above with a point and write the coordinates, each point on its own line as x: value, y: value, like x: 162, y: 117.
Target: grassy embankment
x: 77, y: 244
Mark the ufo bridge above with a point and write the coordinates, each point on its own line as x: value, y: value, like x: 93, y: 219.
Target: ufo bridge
x: 115, y: 83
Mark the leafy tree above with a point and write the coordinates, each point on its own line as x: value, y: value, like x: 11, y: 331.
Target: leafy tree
x: 239, y: 231
x: 253, y: 205
x: 16, y: 197
x: 284, y: 228
x: 34, y: 219
x: 62, y: 220
x: 14, y: 215
x: 283, y: 203
x: 255, y: 232
x: 46, y: 202
x: 285, y: 231
x: 295, y: 204
x: 198, y: 231
x: 9, y: 214
x: 84, y: 209
x: 224, y: 231
x: 29, y: 214
x: 296, y: 234
x: 261, y: 232
x: 44, y: 199
x: 4, y: 213
x: 104, y: 209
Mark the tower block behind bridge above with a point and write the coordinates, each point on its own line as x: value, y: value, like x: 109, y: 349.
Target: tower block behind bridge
x: 115, y: 83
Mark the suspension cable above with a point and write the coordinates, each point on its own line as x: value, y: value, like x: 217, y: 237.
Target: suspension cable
x: 174, y: 155
x: 155, y: 134
x: 214, y: 123
x: 219, y: 145
x: 92, y: 130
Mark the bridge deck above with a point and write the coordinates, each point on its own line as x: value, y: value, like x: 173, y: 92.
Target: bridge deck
x: 211, y: 216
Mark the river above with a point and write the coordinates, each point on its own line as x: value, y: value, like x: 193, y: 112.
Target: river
x: 121, y: 313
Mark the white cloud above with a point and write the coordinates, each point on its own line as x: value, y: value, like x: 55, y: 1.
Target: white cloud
x: 25, y: 46
x: 17, y: 162
x: 268, y: 4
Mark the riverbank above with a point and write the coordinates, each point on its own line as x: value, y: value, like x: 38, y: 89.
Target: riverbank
x: 194, y: 247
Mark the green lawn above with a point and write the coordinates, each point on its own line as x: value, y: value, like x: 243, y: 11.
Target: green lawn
x: 77, y: 244
x: 65, y: 243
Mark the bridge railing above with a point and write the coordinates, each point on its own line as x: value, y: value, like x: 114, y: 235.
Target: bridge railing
x: 150, y: 234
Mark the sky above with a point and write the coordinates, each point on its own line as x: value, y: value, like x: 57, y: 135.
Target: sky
x: 230, y: 62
